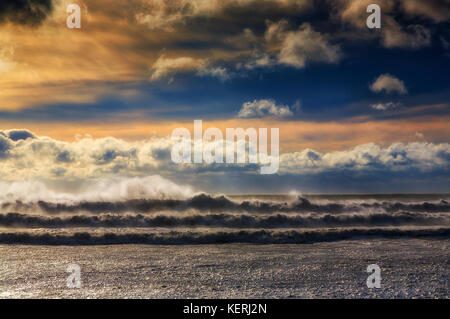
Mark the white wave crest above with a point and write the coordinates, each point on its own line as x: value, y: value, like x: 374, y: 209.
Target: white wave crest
x: 107, y: 189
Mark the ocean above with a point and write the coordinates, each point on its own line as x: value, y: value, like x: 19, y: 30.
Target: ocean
x: 214, y: 246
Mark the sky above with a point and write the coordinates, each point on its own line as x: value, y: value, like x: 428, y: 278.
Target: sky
x: 359, y: 110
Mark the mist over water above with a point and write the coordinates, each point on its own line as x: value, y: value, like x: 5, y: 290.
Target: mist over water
x: 111, y: 189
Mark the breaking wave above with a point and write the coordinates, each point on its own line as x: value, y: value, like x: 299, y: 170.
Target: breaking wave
x: 113, y: 189
x: 154, y: 210
x: 208, y: 203
x: 228, y: 220
x: 222, y: 237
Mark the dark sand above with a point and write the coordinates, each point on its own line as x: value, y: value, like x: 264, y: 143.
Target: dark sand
x: 411, y: 268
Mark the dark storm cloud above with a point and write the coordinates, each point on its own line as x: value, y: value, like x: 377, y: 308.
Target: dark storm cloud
x: 25, y: 12
x: 17, y: 135
x: 8, y: 137
x: 64, y: 157
x: 5, y: 146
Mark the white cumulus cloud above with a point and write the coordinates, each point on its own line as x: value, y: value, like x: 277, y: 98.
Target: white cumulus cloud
x: 389, y: 84
x: 384, y: 106
x: 43, y: 158
x: 304, y: 45
x: 164, y: 67
x: 262, y: 108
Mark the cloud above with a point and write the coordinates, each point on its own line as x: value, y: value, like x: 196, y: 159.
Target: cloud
x: 5, y: 64
x: 278, y: 45
x: 393, y: 34
x: 276, y: 30
x: 437, y: 10
x: 25, y: 12
x: 164, y: 67
x: 369, y: 157
x: 218, y: 72
x: 419, y: 135
x: 17, y: 135
x: 259, y: 59
x: 168, y: 14
x: 7, y: 139
x: 384, y: 106
x: 354, y: 12
x: 304, y: 45
x: 412, y: 36
x: 5, y: 146
x: 6, y: 58
x: 111, y: 160
x: 162, y: 14
x: 64, y: 157
x: 218, y: 38
x: 41, y: 157
x: 262, y: 108
x: 282, y: 45
x: 389, y: 84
